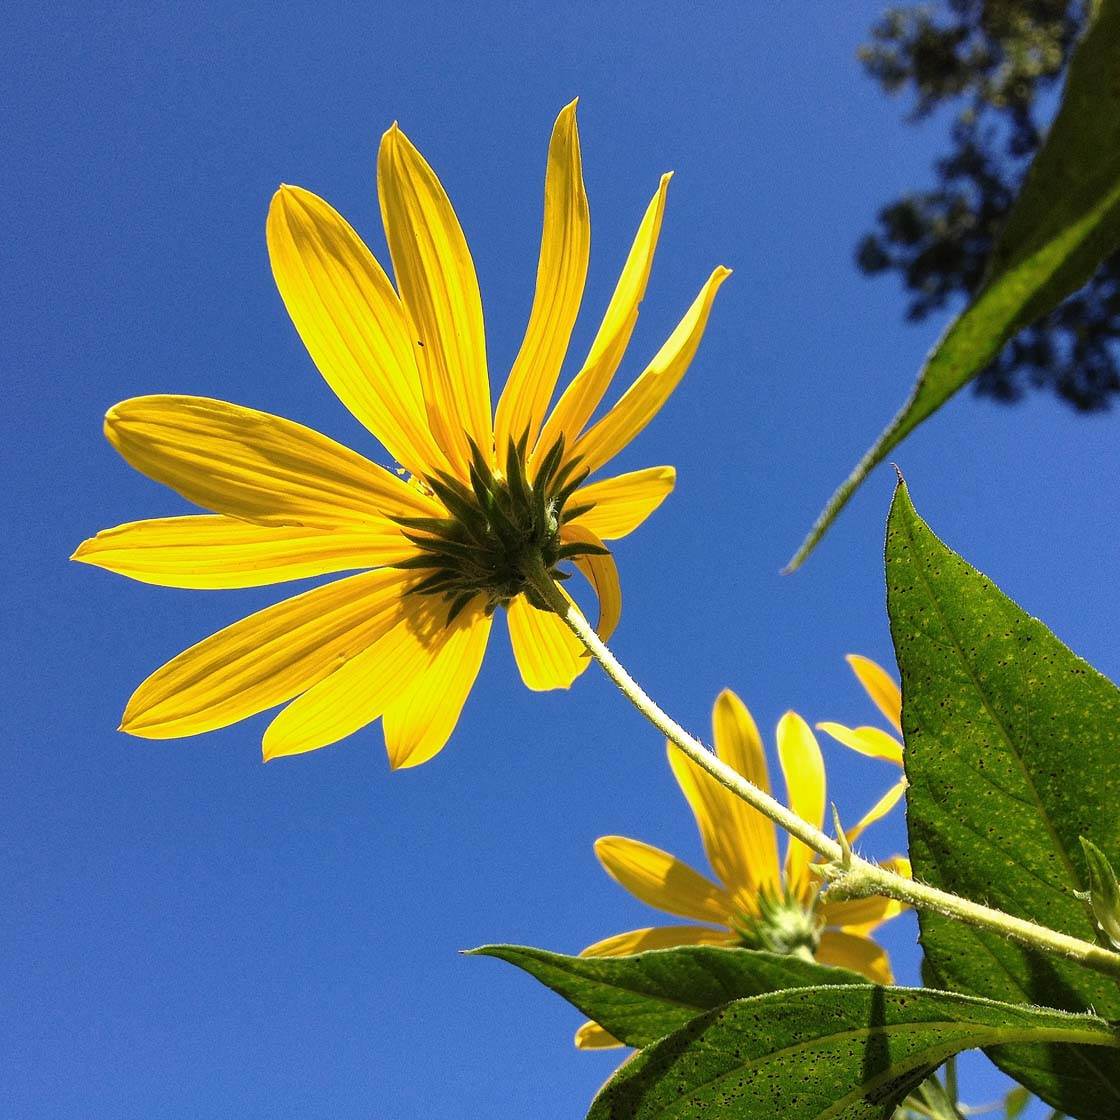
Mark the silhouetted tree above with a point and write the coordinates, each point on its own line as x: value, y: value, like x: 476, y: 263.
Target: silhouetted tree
x: 996, y: 66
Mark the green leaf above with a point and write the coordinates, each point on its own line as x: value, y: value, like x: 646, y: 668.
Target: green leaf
x: 839, y: 1053
x: 642, y: 997
x: 1065, y: 221
x: 1013, y: 753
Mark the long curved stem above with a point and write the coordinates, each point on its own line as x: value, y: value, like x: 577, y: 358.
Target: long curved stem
x: 849, y: 875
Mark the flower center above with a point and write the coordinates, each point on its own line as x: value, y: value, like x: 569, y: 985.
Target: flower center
x: 782, y: 925
x: 499, y: 529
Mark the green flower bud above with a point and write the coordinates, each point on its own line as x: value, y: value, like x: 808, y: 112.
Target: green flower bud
x: 1104, y: 891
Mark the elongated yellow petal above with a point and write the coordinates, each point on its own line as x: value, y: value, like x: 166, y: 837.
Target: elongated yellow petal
x: 582, y: 396
x: 548, y: 654
x: 849, y: 950
x: 622, y: 503
x: 752, y: 853
x: 803, y: 767
x: 721, y: 828
x: 217, y: 552
x: 419, y: 722
x: 359, y: 691
x: 657, y: 937
x: 871, y: 741
x: 255, y: 466
x: 266, y: 658
x: 591, y: 1036
x: 860, y: 915
x: 436, y: 278
x: 602, y: 573
x: 879, y: 810
x: 561, y: 271
x: 662, y: 881
x: 352, y: 323
x: 880, y: 686
x: 643, y: 400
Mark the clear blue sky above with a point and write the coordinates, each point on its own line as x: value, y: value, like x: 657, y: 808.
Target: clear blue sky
x: 190, y: 933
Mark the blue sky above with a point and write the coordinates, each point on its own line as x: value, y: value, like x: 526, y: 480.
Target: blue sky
x: 191, y: 933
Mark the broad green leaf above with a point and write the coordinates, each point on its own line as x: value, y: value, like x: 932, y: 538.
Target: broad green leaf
x: 839, y: 1053
x: 1065, y: 221
x: 642, y: 997
x: 1013, y: 753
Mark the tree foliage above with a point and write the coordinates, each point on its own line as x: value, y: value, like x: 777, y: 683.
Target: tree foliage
x: 995, y: 66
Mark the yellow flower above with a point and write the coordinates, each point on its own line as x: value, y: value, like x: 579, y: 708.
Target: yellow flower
x: 759, y: 902
x: 873, y: 741
x: 485, y: 500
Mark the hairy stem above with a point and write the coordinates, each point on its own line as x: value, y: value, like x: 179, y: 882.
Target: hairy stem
x: 849, y: 875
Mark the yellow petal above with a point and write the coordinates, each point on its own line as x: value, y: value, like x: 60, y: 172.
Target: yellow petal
x: 591, y: 1036
x: 721, y: 828
x: 266, y: 658
x: 880, y: 686
x: 643, y: 400
x: 622, y: 503
x: 879, y: 810
x: 561, y: 271
x: 419, y: 723
x: 871, y: 741
x: 803, y: 768
x: 548, y: 654
x: 900, y: 865
x: 582, y: 396
x: 436, y: 278
x: 357, y: 692
x: 352, y: 323
x: 255, y: 466
x: 216, y: 551
x: 657, y: 937
x: 738, y: 743
x: 662, y: 880
x: 849, y: 950
x: 860, y: 915
x: 602, y: 573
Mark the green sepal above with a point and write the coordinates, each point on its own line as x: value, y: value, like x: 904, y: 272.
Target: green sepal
x: 549, y: 464
x: 458, y: 605
x: 455, y: 496
x: 534, y: 597
x: 573, y: 512
x: 440, y: 580
x: 570, y: 477
x: 579, y: 548
x: 1104, y: 892
x: 440, y: 526
x: 515, y: 476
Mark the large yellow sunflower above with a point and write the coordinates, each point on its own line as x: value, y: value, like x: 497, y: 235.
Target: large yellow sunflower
x: 485, y: 501
x: 759, y: 902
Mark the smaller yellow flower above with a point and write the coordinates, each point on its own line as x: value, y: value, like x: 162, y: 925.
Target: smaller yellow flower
x: 760, y: 902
